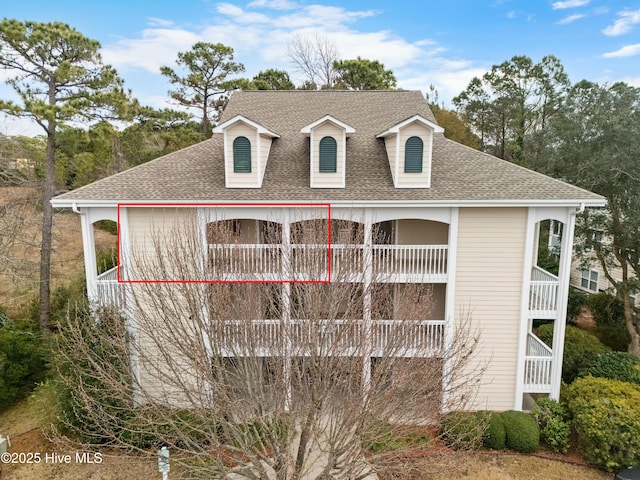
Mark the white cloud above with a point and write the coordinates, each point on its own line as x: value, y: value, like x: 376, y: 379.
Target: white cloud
x: 570, y: 19
x: 626, y: 51
x: 569, y: 4
x: 158, y: 46
x: 239, y: 15
x: 273, y: 4
x: 260, y: 41
x: 159, y: 22
x: 624, y: 24
x: 633, y: 81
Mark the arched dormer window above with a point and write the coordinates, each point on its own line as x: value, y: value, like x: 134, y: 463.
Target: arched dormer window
x: 328, y: 155
x: 242, y: 155
x: 413, y: 155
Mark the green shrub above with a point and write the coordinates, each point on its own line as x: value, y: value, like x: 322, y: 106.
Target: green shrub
x: 621, y: 366
x: 521, y: 431
x: 576, y: 300
x: 580, y: 349
x: 106, y: 259
x: 552, y: 419
x: 495, y: 436
x: 615, y: 336
x: 605, y: 308
x: 22, y: 361
x: 465, y: 430
x: 605, y: 415
x: 107, y: 225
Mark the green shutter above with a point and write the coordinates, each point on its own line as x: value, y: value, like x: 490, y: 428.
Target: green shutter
x: 413, y: 155
x: 328, y: 154
x: 242, y: 155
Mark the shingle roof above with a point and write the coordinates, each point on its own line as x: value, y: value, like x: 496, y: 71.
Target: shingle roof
x: 196, y: 173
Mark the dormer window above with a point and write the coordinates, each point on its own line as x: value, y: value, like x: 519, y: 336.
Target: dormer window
x: 327, y: 152
x: 409, y: 146
x: 413, y: 155
x: 246, y: 151
x: 241, y: 155
x: 328, y: 155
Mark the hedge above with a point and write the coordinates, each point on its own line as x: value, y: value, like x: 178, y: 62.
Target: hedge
x: 621, y: 366
x: 521, y: 431
x: 580, y: 349
x: 605, y: 415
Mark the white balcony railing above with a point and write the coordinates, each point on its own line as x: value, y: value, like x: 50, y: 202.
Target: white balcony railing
x: 411, y: 260
x: 109, y: 292
x: 543, y: 294
x: 402, y: 262
x: 405, y: 338
x: 537, y: 366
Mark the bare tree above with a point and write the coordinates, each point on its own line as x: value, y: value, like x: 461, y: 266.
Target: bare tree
x: 314, y: 58
x: 262, y: 380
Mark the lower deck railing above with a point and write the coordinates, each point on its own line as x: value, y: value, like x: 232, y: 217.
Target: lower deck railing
x: 402, y: 338
x: 537, y: 366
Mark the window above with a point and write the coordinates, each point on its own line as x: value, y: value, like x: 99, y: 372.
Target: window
x: 242, y: 155
x: 413, y: 155
x: 328, y: 154
x: 589, y: 280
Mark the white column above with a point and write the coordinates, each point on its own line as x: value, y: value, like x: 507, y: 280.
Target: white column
x: 367, y: 330
x: 89, y: 250
x: 559, y: 326
x: 286, y: 302
x: 531, y: 241
x: 450, y: 297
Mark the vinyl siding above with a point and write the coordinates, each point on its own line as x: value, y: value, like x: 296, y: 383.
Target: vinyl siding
x: 422, y: 232
x: 155, y: 234
x: 490, y: 258
x: 390, y: 145
x: 321, y: 180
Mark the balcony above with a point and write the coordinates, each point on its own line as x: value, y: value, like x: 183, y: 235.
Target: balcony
x: 543, y: 294
x: 390, y: 263
x: 537, y: 366
x: 110, y: 293
x: 400, y: 338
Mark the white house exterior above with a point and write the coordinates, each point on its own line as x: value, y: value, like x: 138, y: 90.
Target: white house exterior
x: 464, y: 222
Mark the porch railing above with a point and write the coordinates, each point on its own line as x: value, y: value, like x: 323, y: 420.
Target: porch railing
x: 537, y: 366
x: 543, y: 294
x: 109, y: 292
x: 424, y: 338
x: 395, y: 260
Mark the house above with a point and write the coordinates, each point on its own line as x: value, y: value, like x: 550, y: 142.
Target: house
x: 464, y: 222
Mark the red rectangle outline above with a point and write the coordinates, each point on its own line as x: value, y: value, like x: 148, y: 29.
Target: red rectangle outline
x: 192, y: 205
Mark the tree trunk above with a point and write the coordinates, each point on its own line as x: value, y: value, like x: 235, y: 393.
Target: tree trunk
x: 47, y: 226
x: 634, y: 345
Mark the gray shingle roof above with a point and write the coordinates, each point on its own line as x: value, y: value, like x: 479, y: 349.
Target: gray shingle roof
x: 196, y: 173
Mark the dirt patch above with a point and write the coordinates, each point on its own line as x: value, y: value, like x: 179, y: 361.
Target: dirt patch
x: 19, y: 283
x: 485, y: 466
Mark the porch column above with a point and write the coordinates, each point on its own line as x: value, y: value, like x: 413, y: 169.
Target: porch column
x: 286, y: 273
x: 530, y: 249
x: 89, y: 251
x: 367, y: 330
x: 559, y: 326
x: 450, y: 298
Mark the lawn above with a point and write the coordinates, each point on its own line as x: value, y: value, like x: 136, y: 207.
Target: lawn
x: 437, y: 463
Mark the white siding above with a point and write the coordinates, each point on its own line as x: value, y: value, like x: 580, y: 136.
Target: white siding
x: 490, y: 258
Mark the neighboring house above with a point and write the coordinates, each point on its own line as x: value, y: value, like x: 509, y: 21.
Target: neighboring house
x: 465, y: 222
x: 588, y: 276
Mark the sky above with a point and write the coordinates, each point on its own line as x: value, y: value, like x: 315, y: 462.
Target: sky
x: 424, y: 42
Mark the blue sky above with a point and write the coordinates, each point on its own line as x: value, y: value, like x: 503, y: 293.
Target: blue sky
x: 443, y: 43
